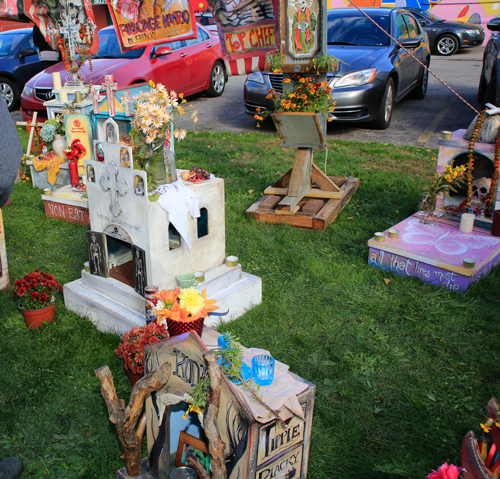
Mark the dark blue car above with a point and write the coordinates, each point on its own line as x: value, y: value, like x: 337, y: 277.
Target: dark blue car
x: 18, y: 63
x: 375, y: 72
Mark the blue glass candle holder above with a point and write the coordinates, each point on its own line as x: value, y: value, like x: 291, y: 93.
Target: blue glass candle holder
x: 263, y: 369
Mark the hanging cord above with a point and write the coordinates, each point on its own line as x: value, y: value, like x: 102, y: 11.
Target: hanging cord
x: 414, y: 57
x: 326, y: 157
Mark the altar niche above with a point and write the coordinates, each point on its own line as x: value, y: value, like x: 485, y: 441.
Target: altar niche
x: 112, y: 255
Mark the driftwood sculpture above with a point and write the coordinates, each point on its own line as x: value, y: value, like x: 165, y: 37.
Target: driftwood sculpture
x: 125, y: 419
x: 215, y: 444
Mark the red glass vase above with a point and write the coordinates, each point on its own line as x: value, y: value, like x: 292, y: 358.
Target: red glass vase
x: 175, y: 328
x: 36, y: 317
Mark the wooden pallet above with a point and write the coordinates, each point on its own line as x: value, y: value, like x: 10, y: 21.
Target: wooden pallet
x: 315, y: 211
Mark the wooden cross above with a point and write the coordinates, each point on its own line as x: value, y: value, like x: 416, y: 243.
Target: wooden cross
x: 96, y: 96
x: 115, y: 186
x: 109, y: 85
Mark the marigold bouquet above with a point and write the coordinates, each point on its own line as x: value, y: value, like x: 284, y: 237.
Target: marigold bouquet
x: 36, y: 290
x: 305, y: 95
x: 131, y: 349
x: 183, y: 304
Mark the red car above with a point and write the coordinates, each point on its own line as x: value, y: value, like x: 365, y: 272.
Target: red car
x: 187, y: 66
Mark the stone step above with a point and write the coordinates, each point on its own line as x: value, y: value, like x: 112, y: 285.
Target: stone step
x: 107, y: 314
x: 219, y: 278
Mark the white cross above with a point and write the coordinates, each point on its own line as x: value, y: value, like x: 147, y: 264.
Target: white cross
x: 96, y: 96
x: 115, y: 186
x: 493, y: 110
x: 110, y: 86
x: 126, y: 103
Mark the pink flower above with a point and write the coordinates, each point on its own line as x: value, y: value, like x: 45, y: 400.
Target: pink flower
x: 446, y: 471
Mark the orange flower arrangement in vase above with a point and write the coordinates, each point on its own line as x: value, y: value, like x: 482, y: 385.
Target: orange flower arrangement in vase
x: 184, y: 309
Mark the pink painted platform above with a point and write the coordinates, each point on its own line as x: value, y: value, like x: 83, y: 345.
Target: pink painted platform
x: 435, y: 253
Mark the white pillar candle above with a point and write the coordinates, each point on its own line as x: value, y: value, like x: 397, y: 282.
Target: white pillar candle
x: 63, y: 97
x: 467, y: 222
x: 56, y: 80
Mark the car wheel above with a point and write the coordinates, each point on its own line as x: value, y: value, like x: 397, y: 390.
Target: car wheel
x: 418, y: 93
x: 384, y: 116
x: 217, y: 80
x: 447, y: 45
x: 9, y: 91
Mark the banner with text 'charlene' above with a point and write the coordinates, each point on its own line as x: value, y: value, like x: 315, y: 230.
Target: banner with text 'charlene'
x: 248, y: 29
x: 144, y: 22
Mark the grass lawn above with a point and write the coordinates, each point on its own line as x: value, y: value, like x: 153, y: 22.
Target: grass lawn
x: 403, y: 370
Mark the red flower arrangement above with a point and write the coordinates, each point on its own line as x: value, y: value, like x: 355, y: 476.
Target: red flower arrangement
x: 36, y: 290
x: 131, y: 349
x: 75, y: 151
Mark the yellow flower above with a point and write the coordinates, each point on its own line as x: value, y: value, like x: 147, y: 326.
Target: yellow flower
x: 151, y: 83
x: 485, y: 428
x: 286, y: 80
x: 191, y: 300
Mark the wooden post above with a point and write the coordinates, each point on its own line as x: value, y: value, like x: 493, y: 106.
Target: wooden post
x: 125, y: 419
x: 215, y: 444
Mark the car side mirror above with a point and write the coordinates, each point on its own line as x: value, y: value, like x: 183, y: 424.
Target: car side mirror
x: 494, y: 25
x: 27, y: 52
x: 161, y: 51
x: 411, y: 42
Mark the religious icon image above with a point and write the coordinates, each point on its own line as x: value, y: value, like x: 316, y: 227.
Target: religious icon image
x: 90, y: 174
x: 110, y: 134
x: 139, y: 263
x: 303, y: 28
x: 124, y: 158
x: 99, y: 153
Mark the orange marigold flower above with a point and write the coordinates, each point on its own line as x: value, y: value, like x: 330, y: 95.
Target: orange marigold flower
x: 257, y: 109
x: 286, y: 80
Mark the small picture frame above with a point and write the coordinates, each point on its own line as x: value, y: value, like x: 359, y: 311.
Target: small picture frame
x: 195, y: 446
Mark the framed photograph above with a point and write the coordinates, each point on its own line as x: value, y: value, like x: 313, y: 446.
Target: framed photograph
x: 191, y: 445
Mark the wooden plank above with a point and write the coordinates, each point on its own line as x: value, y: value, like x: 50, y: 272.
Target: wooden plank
x: 338, y: 180
x: 300, y: 181
x: 323, y: 181
x: 284, y: 181
x: 270, y: 202
x: 293, y: 220
x: 313, y: 206
x: 333, y: 207
x: 32, y: 133
x: 313, y: 193
x: 288, y: 210
x: 253, y: 209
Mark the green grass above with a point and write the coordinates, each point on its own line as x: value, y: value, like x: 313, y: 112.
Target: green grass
x: 403, y: 370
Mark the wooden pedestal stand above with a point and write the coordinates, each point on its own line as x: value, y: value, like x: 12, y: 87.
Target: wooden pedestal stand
x: 304, y: 197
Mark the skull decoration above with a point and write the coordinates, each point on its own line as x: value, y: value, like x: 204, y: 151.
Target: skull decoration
x: 480, y: 188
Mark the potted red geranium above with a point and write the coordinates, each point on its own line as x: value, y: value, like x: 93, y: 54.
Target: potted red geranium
x: 37, y: 292
x: 131, y: 349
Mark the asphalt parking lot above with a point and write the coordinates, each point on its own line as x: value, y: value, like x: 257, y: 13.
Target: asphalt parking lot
x: 414, y: 122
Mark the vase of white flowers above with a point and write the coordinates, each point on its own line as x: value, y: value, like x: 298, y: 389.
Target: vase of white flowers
x: 53, y: 132
x: 153, y: 129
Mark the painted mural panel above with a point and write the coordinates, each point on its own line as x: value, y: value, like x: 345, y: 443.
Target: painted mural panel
x: 479, y: 12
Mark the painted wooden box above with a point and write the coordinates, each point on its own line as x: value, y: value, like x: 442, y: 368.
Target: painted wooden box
x: 254, y: 449
x: 435, y: 253
x: 67, y: 205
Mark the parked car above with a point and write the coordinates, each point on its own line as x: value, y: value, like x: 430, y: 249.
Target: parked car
x: 207, y: 20
x: 188, y: 67
x: 18, y: 63
x: 489, y: 88
x: 446, y: 37
x: 374, y: 72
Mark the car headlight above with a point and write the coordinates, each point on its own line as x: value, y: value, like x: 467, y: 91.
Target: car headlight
x: 472, y: 32
x: 359, y: 78
x: 28, y: 91
x: 257, y: 77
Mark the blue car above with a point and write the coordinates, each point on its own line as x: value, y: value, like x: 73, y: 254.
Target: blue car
x: 375, y: 72
x: 18, y: 63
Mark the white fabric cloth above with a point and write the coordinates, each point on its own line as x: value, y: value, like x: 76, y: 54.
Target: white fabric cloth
x: 178, y: 200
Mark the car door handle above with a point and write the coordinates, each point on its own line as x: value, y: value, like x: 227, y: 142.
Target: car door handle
x: 182, y: 55
x: 209, y: 45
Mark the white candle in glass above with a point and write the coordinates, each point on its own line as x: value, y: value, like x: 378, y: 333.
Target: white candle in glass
x: 56, y: 80
x: 467, y: 222
x: 63, y: 97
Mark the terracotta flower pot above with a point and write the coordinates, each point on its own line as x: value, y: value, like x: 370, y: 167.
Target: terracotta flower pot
x: 35, y: 317
x: 175, y: 328
x: 133, y: 378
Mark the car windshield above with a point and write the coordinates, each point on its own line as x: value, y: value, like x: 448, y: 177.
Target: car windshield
x: 355, y: 29
x: 9, y: 42
x: 431, y: 17
x: 110, y: 48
